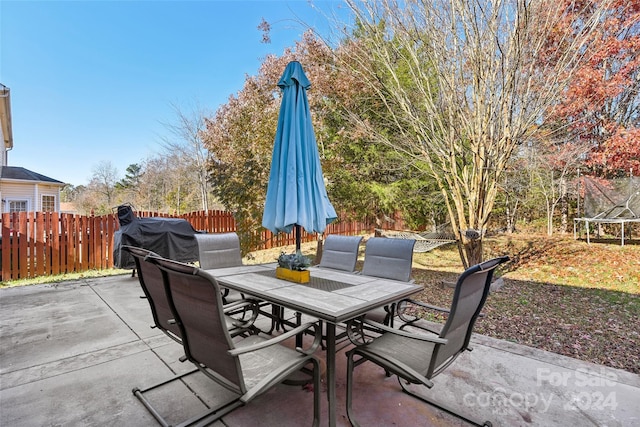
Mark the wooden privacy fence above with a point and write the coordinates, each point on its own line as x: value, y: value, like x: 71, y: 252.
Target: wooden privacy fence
x: 48, y: 243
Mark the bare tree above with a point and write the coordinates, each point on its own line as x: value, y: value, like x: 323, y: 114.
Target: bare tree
x: 186, y: 141
x: 102, y: 184
x: 151, y: 193
x: 552, y: 164
x: 464, y: 84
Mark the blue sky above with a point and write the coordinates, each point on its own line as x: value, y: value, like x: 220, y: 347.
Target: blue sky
x: 94, y: 81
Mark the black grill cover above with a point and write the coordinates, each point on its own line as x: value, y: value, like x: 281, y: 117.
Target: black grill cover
x: 168, y: 237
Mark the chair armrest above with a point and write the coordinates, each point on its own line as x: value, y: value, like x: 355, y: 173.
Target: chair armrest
x: 385, y: 329
x: 402, y: 304
x: 242, y: 307
x: 293, y: 332
x: 424, y: 305
x: 242, y: 304
x: 403, y: 316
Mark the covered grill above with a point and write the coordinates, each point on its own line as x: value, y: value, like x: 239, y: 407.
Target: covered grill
x: 171, y: 238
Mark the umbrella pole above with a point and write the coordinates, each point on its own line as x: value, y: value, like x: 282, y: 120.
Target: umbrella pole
x: 297, y: 238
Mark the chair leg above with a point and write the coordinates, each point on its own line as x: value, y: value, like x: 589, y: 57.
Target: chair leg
x: 299, y: 336
x: 139, y: 393
x: 390, y: 309
x: 442, y: 407
x: 277, y: 313
x: 205, y: 418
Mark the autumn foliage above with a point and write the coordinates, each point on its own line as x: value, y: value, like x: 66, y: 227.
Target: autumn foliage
x: 601, y: 105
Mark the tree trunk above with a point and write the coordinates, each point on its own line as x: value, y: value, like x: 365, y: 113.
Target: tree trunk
x: 511, y: 217
x: 549, y: 206
x: 564, y: 207
x: 472, y: 252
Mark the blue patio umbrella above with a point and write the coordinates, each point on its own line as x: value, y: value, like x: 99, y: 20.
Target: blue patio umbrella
x: 296, y: 195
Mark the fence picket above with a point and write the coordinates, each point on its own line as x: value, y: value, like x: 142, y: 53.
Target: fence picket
x: 84, y: 238
x: 22, y: 237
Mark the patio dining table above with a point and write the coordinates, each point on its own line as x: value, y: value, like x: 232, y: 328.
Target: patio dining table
x: 331, y: 296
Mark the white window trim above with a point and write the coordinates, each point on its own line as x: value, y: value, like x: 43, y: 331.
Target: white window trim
x: 42, y: 202
x: 8, y: 201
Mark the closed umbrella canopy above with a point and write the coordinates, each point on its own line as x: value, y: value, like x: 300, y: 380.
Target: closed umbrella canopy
x: 296, y: 194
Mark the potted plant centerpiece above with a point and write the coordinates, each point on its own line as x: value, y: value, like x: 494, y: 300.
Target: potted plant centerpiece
x: 293, y: 267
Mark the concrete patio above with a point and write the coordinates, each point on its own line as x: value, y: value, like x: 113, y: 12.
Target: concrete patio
x: 70, y: 354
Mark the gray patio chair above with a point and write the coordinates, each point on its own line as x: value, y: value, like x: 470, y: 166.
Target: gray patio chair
x: 247, y: 367
x: 240, y: 314
x: 220, y: 250
x: 417, y: 358
x: 150, y: 278
x: 340, y: 252
x: 151, y: 281
x: 387, y: 258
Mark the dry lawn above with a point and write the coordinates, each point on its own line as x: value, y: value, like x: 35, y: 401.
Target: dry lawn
x: 559, y: 294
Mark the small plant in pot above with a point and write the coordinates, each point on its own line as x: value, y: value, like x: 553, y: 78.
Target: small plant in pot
x: 293, y: 267
x: 295, y: 261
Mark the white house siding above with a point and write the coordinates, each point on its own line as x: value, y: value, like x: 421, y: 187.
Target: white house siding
x: 48, y: 190
x: 30, y: 191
